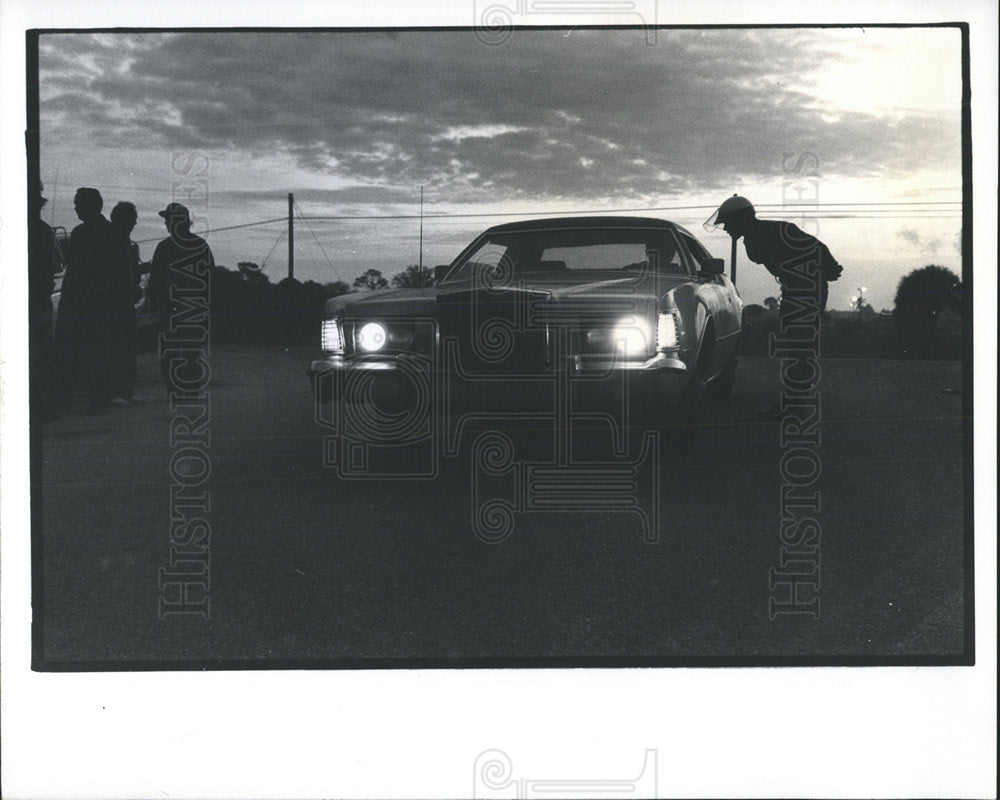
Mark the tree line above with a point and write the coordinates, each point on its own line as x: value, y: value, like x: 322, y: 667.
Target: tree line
x: 246, y: 307
x: 926, y: 321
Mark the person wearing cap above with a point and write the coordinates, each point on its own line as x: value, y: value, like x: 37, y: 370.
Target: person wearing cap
x: 181, y: 262
x: 86, y: 324
x: 800, y: 262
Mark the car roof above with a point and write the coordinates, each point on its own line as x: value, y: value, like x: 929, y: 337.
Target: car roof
x: 583, y: 222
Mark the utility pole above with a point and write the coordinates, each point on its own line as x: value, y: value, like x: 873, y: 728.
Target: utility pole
x: 420, y: 256
x: 732, y: 263
x: 291, y: 237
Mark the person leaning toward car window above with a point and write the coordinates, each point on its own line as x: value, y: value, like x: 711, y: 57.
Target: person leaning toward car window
x: 183, y: 262
x: 800, y: 262
x: 124, y: 218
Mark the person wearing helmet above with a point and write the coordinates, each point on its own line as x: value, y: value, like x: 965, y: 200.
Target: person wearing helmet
x: 800, y: 262
x: 782, y: 248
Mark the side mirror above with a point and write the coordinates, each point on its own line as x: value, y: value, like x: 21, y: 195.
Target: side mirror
x: 440, y: 271
x: 714, y: 266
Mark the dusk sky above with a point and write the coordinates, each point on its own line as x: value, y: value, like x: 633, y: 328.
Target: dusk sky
x: 548, y: 122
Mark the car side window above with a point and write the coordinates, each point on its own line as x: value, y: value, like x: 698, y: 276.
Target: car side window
x: 490, y: 260
x: 699, y: 255
x: 667, y: 255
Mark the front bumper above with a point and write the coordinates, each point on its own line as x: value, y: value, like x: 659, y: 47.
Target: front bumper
x: 591, y: 382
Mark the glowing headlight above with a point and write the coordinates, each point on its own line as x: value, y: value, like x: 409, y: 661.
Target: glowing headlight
x: 666, y: 332
x: 632, y: 336
x: 371, y: 337
x: 330, y: 338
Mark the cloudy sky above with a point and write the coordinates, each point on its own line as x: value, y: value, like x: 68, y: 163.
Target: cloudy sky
x: 854, y: 133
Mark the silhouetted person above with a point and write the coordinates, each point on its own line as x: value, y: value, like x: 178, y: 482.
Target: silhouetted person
x: 42, y: 268
x: 179, y: 287
x: 124, y: 218
x: 800, y: 262
x: 86, y: 322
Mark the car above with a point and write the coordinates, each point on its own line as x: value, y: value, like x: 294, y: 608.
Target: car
x: 631, y: 310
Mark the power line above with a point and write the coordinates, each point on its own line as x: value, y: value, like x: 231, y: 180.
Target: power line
x: 805, y: 208
x: 227, y: 228
x: 883, y: 203
x: 844, y: 211
x: 836, y: 215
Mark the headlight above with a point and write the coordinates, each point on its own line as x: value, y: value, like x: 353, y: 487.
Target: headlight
x: 330, y: 338
x: 632, y: 336
x: 666, y: 332
x: 371, y: 337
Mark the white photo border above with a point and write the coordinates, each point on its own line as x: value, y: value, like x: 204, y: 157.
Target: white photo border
x: 847, y: 732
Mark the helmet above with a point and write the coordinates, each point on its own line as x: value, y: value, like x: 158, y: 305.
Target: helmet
x: 730, y: 206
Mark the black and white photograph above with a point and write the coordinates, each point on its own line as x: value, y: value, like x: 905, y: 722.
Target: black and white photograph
x: 528, y: 350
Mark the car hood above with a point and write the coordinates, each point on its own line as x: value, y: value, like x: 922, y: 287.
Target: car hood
x: 555, y: 286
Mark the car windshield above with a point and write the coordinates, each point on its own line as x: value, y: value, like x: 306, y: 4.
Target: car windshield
x: 572, y: 250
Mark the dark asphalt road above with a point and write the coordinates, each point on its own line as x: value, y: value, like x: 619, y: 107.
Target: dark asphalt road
x: 305, y: 566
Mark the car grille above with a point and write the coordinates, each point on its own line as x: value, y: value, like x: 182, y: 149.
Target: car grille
x: 587, y: 328
x: 495, y: 332
x: 490, y: 333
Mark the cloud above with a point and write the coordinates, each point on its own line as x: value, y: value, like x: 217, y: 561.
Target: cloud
x: 929, y: 245
x: 598, y: 115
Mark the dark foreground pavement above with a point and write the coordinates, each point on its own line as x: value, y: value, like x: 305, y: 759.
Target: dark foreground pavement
x: 306, y: 568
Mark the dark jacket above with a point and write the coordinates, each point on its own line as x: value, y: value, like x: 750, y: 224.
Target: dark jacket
x: 784, y: 249
x: 93, y: 281
x: 181, y: 262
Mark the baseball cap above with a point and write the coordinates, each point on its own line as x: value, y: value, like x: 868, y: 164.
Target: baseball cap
x: 176, y: 211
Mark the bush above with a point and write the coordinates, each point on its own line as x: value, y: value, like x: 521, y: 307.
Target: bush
x: 929, y: 303
x: 247, y: 308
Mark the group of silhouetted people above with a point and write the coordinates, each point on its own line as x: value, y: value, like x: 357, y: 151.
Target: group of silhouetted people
x: 85, y: 348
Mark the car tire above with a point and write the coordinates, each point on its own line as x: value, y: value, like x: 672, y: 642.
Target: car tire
x: 689, y: 413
